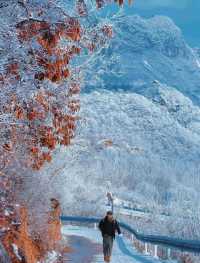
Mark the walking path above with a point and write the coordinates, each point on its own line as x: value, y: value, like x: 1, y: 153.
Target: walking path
x: 123, y: 251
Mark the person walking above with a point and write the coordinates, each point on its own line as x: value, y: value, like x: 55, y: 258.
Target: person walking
x: 108, y: 227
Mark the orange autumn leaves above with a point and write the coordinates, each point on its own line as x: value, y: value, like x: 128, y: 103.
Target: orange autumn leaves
x: 45, y: 138
x: 30, y: 28
x: 46, y: 120
x: 51, y: 58
x: 11, y: 73
x: 55, y: 70
x: 47, y: 34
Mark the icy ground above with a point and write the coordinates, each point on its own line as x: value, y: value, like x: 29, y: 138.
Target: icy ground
x: 122, y: 252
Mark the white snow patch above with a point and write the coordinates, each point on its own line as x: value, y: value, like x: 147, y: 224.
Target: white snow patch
x: 6, y: 213
x: 146, y: 63
x: 52, y: 257
x: 15, y: 249
x: 198, y: 63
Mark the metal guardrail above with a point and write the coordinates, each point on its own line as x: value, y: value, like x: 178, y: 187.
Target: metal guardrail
x: 178, y: 244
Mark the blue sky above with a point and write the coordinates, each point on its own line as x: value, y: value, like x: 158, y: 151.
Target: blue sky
x: 185, y: 13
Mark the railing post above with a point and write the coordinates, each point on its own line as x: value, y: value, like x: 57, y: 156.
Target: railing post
x: 156, y: 251
x: 168, y: 253
x: 95, y: 226
x: 146, y: 248
x: 132, y: 237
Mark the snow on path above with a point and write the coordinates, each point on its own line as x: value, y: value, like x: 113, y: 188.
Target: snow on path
x: 123, y: 252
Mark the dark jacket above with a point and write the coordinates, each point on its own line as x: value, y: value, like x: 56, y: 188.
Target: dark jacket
x: 109, y: 228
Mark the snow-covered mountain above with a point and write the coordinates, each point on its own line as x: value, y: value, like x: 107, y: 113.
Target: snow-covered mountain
x: 144, y: 50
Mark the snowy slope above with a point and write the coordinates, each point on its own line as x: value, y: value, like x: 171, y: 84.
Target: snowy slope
x: 146, y: 147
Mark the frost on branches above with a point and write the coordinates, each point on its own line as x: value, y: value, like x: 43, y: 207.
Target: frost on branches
x: 44, y: 48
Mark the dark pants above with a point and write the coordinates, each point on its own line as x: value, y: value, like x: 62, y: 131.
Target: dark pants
x: 107, y: 245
